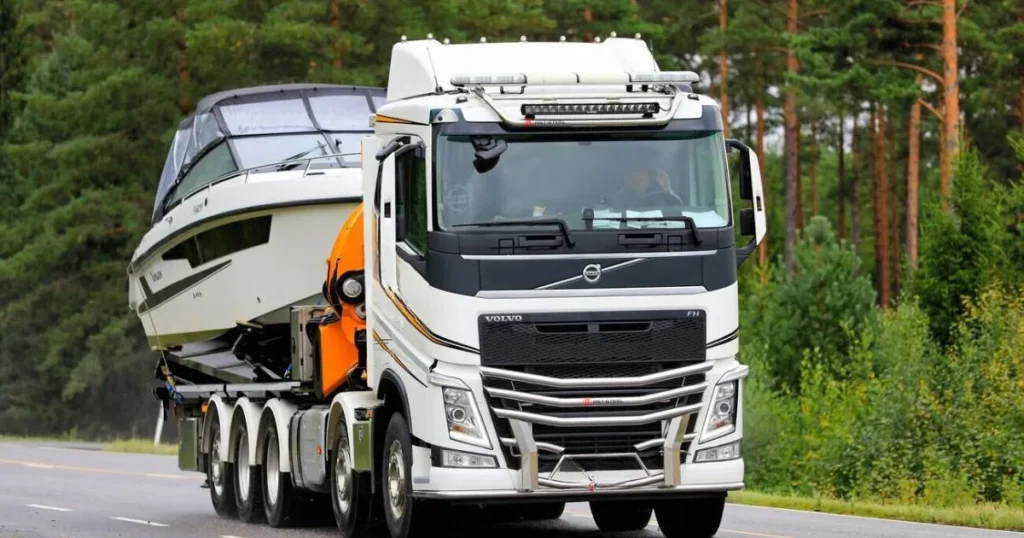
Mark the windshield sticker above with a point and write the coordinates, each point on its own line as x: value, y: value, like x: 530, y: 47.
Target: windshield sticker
x: 457, y: 199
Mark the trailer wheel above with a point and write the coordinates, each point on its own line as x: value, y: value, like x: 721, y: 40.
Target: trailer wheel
x: 219, y: 474
x: 405, y: 517
x: 620, y: 516
x: 350, y: 491
x: 248, y: 494
x: 691, y: 518
x: 280, y: 503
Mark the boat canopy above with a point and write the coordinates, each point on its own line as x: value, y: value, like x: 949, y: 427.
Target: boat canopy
x: 264, y: 110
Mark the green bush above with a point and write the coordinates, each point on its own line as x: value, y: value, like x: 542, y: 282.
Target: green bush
x: 818, y: 309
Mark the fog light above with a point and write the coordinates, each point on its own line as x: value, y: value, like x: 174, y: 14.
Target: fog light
x: 726, y: 452
x: 454, y: 458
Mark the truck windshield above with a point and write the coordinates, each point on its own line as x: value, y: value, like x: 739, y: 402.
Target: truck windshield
x: 639, y: 176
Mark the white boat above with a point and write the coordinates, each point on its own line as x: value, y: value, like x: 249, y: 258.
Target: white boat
x: 255, y: 186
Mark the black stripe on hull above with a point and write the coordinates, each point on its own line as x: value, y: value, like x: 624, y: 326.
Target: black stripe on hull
x: 174, y: 289
x: 183, y: 232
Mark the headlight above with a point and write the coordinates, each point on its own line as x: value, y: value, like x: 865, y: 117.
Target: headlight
x: 721, y: 418
x: 351, y: 287
x: 726, y: 452
x: 456, y: 458
x: 463, y: 417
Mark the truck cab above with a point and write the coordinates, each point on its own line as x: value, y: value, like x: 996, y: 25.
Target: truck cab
x: 551, y: 284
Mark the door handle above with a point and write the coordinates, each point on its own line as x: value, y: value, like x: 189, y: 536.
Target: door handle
x: 387, y: 210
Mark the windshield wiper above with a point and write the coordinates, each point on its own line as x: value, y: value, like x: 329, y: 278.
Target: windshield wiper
x: 681, y: 218
x: 299, y: 156
x: 562, y: 226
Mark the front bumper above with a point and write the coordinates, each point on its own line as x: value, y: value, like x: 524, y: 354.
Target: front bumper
x: 504, y: 484
x: 672, y: 472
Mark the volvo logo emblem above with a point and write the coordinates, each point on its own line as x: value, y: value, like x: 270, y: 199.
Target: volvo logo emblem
x: 592, y: 273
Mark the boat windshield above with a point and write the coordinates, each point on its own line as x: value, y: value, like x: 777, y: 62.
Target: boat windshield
x: 254, y: 127
x: 646, y: 178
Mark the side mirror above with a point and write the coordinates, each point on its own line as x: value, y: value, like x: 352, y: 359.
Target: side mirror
x: 747, y: 225
x: 745, y: 172
x: 753, y: 222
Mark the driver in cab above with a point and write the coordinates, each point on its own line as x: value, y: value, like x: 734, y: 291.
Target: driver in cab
x: 639, y: 191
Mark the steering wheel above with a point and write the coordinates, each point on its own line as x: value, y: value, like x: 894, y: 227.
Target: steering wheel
x: 666, y: 199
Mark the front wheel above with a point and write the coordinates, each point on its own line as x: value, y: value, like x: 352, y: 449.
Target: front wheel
x: 350, y: 491
x: 691, y: 518
x: 620, y: 516
x: 405, y: 517
x: 219, y: 473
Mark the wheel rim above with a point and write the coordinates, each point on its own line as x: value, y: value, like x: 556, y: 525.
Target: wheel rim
x: 216, y: 465
x: 342, y: 479
x: 272, y: 466
x: 396, y: 480
x: 242, y: 465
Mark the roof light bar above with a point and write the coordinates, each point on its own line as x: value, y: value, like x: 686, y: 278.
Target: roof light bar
x: 568, y: 78
x: 588, y: 109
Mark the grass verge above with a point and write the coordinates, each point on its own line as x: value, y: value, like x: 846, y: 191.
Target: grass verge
x: 141, y: 446
x: 982, y: 515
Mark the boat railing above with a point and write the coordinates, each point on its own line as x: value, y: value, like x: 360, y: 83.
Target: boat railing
x: 308, y: 161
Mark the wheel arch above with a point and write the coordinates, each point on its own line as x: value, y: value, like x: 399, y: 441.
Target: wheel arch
x: 343, y: 408
x: 217, y: 406
x: 280, y: 412
x: 248, y: 411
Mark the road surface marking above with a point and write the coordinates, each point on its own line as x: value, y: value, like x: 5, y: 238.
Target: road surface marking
x: 748, y: 533
x: 44, y: 507
x: 229, y: 536
x: 821, y: 513
x: 38, y: 465
x: 139, y: 521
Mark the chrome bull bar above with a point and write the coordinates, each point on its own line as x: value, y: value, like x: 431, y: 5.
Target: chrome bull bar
x: 522, y: 422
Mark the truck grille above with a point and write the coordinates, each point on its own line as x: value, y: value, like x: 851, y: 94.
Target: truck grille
x: 609, y: 346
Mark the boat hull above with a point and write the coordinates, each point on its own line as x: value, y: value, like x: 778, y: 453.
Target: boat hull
x: 199, y: 279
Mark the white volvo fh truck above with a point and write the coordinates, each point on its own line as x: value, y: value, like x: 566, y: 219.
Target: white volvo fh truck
x: 535, y: 304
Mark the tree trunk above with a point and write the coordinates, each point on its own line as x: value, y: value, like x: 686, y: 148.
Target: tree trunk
x: 799, y: 179
x: 950, y: 100
x: 791, y: 134
x: 881, y: 211
x: 723, y: 68
x: 762, y: 249
x: 335, y: 22
x: 814, y: 168
x: 894, y: 208
x: 1020, y: 105
x: 853, y: 187
x: 841, y: 179
x: 913, y: 173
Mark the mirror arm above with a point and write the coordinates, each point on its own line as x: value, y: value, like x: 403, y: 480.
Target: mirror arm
x: 744, y: 252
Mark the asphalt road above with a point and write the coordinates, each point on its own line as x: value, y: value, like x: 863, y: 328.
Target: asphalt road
x: 50, y: 491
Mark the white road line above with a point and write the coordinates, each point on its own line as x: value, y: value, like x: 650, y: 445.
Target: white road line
x: 139, y: 521
x: 44, y: 507
x: 38, y: 465
x: 877, y: 519
x: 229, y: 536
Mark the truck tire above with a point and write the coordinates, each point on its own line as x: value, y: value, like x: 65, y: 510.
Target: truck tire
x: 248, y: 485
x: 405, y: 517
x: 220, y: 474
x: 620, y: 516
x: 690, y: 518
x: 350, y: 491
x: 280, y: 502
